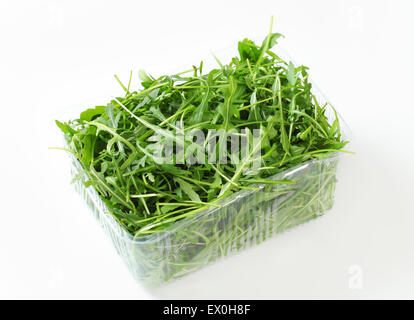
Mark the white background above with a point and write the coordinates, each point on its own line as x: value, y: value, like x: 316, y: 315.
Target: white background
x: 58, y: 55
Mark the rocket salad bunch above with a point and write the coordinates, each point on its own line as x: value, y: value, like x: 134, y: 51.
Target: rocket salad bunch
x: 256, y: 90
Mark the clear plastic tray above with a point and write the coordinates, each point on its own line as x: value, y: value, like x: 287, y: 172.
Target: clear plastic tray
x: 244, y: 219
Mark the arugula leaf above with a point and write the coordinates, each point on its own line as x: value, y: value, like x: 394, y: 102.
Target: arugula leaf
x: 291, y: 74
x: 90, y: 114
x: 188, y: 189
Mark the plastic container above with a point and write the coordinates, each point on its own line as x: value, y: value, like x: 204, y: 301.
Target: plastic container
x: 244, y: 219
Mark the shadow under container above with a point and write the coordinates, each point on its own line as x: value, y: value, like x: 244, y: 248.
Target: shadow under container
x: 244, y: 219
